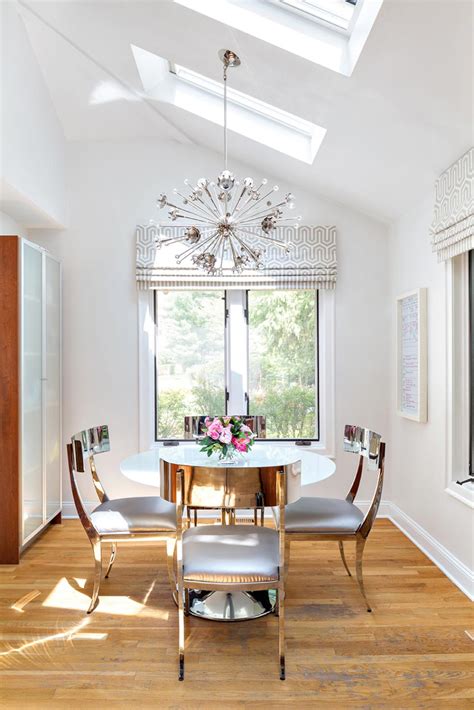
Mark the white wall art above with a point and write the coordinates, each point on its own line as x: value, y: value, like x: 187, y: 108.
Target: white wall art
x: 411, y: 356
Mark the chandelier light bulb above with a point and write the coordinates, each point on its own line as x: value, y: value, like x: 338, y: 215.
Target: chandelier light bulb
x: 226, y: 180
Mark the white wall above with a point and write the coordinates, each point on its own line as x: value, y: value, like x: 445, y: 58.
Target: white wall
x: 112, y: 187
x: 32, y: 163
x: 9, y: 226
x: 417, y: 453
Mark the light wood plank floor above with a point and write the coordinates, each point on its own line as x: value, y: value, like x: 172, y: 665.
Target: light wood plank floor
x: 411, y: 652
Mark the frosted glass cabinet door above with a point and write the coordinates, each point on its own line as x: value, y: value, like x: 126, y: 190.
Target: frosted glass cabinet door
x: 52, y: 386
x: 32, y: 449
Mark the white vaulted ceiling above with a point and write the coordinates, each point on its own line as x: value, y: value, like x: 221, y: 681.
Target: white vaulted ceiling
x: 402, y: 117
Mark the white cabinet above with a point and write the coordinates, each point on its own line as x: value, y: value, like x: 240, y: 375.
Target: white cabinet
x: 40, y: 388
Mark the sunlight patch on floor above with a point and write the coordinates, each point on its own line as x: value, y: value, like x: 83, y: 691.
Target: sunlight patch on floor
x: 26, y: 599
x: 66, y: 596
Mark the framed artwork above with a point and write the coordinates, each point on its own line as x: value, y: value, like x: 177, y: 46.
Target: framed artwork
x: 412, y: 400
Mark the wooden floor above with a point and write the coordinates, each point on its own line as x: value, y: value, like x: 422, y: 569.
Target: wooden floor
x: 411, y: 652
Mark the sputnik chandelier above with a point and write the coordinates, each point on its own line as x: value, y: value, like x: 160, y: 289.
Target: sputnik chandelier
x: 226, y: 225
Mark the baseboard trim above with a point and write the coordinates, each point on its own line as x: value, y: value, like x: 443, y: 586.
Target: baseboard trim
x: 451, y: 566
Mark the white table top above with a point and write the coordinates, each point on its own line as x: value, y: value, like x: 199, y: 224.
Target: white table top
x: 145, y: 466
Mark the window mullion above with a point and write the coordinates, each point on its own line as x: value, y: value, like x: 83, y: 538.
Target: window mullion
x: 236, y: 352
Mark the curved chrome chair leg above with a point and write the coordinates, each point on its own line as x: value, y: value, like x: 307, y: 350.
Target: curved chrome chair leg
x: 287, y: 558
x: 171, y: 564
x: 181, y: 633
x: 281, y: 632
x: 360, y: 544
x: 113, y: 555
x: 97, y: 552
x: 343, y: 557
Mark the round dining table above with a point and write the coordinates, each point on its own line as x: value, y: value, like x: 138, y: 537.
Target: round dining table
x: 155, y: 468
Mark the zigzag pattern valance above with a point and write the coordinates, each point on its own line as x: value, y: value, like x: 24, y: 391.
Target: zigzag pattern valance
x: 311, y: 263
x: 452, y: 229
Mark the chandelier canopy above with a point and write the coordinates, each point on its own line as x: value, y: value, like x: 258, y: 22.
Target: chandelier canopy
x: 227, y: 224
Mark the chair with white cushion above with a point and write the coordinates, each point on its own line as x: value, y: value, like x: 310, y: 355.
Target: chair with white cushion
x: 119, y: 520
x: 312, y: 519
x: 229, y: 558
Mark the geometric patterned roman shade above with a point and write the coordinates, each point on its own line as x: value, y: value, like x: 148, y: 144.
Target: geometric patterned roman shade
x: 452, y: 229
x: 311, y: 263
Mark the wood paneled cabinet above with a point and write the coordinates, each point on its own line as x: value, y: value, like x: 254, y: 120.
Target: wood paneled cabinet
x: 30, y: 394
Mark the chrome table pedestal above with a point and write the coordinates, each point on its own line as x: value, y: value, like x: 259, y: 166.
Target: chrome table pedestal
x: 231, y: 606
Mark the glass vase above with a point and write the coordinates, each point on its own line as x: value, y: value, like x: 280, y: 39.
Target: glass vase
x: 230, y: 458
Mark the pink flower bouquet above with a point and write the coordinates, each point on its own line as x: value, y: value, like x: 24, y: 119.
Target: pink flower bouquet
x: 226, y: 436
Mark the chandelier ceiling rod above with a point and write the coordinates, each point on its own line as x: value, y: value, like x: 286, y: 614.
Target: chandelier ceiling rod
x: 229, y: 59
x: 225, y: 116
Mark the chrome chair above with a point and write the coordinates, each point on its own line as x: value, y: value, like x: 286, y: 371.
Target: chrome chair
x: 229, y: 557
x: 119, y: 520
x: 311, y: 519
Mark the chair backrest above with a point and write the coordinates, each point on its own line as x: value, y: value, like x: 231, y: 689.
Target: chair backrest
x: 370, y: 447
x: 193, y: 425
x: 89, y: 442
x: 362, y: 441
x: 227, y: 487
x: 83, y: 447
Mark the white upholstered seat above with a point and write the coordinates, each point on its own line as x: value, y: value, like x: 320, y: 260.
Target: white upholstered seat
x: 134, y: 515
x: 323, y: 515
x: 230, y: 553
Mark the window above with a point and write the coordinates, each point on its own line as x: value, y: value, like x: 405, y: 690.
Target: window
x: 190, y: 357
x: 253, y: 352
x: 471, y: 362
x: 336, y: 13
x: 282, y: 334
x: 250, y: 117
x: 460, y: 377
x: 330, y: 33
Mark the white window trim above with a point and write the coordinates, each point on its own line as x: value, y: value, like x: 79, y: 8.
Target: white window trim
x: 146, y: 374
x: 457, y: 380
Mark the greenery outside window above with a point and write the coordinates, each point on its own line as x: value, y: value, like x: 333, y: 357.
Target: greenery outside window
x: 237, y: 352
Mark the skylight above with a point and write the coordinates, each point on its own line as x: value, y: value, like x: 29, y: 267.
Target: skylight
x: 336, y: 14
x: 331, y: 33
x: 247, y: 116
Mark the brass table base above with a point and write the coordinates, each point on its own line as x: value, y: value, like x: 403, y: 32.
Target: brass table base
x: 231, y: 606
